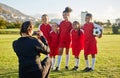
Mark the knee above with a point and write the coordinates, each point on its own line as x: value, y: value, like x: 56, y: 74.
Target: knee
x: 93, y: 55
x: 48, y: 60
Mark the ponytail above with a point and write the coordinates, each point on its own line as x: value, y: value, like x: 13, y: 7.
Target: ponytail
x: 25, y: 26
x: 68, y: 10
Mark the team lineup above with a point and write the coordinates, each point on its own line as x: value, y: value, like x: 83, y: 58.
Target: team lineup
x: 51, y: 41
x: 65, y: 34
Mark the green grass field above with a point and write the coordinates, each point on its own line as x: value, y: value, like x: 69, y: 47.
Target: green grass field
x: 107, y: 62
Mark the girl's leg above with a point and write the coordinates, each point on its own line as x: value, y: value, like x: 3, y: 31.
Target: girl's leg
x: 53, y: 62
x: 93, y: 61
x: 59, y: 57
x: 67, y: 58
x: 87, y: 61
x: 77, y: 61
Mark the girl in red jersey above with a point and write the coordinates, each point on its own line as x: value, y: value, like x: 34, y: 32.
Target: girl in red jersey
x: 77, y: 42
x: 54, y: 41
x: 64, y: 41
x: 45, y: 27
x: 90, y: 43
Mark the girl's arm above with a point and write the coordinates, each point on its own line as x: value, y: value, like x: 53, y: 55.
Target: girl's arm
x: 101, y: 34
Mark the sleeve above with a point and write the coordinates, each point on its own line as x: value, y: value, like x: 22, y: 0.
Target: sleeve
x: 14, y: 46
x: 50, y: 38
x: 60, y: 27
x: 71, y: 26
x: 71, y: 32
x: 82, y: 27
x: 39, y: 27
x: 43, y: 40
x: 82, y: 30
x: 41, y: 47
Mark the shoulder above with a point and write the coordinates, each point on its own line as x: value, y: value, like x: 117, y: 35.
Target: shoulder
x: 34, y: 41
x: 91, y: 23
x: 14, y: 43
x: 49, y: 25
x: 62, y: 21
x: 81, y: 30
x: 39, y: 26
x: 70, y: 22
x: 33, y: 38
x: 72, y: 30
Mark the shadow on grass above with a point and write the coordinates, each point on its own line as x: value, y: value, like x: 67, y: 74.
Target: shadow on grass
x: 68, y: 73
x: 53, y: 74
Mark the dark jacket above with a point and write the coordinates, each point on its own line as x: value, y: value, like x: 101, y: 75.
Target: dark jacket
x: 28, y: 50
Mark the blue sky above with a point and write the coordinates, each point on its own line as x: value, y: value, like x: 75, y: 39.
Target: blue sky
x: 101, y: 9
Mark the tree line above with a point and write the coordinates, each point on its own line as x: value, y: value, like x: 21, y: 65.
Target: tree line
x: 9, y: 25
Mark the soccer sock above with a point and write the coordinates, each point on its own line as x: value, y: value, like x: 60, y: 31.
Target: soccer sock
x: 67, y: 59
x: 87, y: 63
x: 59, y: 60
x: 77, y: 62
x: 53, y: 62
x: 93, y: 63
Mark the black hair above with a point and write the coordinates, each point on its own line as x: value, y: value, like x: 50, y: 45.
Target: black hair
x: 25, y: 26
x: 68, y: 10
x: 89, y: 14
x: 78, y: 28
x: 44, y: 15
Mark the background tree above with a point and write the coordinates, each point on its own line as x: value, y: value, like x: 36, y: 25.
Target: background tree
x: 108, y: 23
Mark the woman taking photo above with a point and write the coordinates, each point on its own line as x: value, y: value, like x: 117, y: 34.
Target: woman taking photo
x: 28, y: 49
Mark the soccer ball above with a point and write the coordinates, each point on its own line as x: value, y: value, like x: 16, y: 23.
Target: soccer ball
x: 97, y: 31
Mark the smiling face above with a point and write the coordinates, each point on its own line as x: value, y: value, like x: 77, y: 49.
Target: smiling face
x: 66, y: 16
x: 54, y: 26
x: 88, y: 18
x: 76, y: 25
x: 45, y: 19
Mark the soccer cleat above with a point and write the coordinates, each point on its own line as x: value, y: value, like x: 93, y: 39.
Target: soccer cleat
x: 75, y: 68
x: 57, y: 69
x: 66, y: 67
x: 90, y: 69
x: 52, y: 68
x: 86, y: 69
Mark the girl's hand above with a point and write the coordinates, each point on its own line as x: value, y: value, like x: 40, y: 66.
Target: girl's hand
x: 100, y: 34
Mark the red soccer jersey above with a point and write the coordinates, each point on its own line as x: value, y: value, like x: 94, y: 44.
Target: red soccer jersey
x: 90, y: 46
x: 77, y: 41
x: 65, y: 28
x: 45, y: 28
x: 54, y: 41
